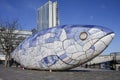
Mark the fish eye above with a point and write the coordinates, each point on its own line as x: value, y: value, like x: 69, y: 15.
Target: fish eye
x: 83, y: 36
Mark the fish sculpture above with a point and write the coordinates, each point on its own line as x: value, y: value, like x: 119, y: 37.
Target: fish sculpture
x: 63, y: 47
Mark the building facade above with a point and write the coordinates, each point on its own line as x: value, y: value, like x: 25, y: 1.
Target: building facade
x: 111, y: 61
x: 20, y: 36
x: 47, y: 16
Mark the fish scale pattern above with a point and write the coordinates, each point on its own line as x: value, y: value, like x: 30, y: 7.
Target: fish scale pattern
x: 61, y: 47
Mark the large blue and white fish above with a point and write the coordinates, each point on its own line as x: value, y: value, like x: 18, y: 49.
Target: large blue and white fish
x: 62, y: 47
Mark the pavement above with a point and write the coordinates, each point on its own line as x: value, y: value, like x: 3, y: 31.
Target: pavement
x: 14, y: 73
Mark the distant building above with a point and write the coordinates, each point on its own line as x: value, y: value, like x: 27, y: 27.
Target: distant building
x: 111, y: 61
x: 47, y: 16
x: 20, y: 36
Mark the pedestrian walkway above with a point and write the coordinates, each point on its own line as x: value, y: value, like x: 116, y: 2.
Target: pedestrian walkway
x: 14, y: 73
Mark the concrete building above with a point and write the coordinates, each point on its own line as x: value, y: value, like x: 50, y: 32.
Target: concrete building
x: 47, y: 15
x: 111, y: 61
x: 20, y: 35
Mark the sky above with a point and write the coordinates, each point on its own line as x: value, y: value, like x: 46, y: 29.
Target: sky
x: 96, y: 12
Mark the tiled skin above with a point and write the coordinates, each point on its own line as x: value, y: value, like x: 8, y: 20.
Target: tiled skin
x: 62, y: 47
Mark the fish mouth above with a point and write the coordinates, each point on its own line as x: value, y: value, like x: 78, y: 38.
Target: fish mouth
x: 99, y: 46
x: 103, y: 43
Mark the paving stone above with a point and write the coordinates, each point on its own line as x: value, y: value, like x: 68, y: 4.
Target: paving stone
x: 75, y: 74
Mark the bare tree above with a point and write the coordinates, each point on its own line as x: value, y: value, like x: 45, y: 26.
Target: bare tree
x: 8, y: 39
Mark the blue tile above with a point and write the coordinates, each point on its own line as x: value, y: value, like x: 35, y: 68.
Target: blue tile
x: 50, y: 40
x: 92, y: 47
x: 49, y: 60
x: 63, y: 56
